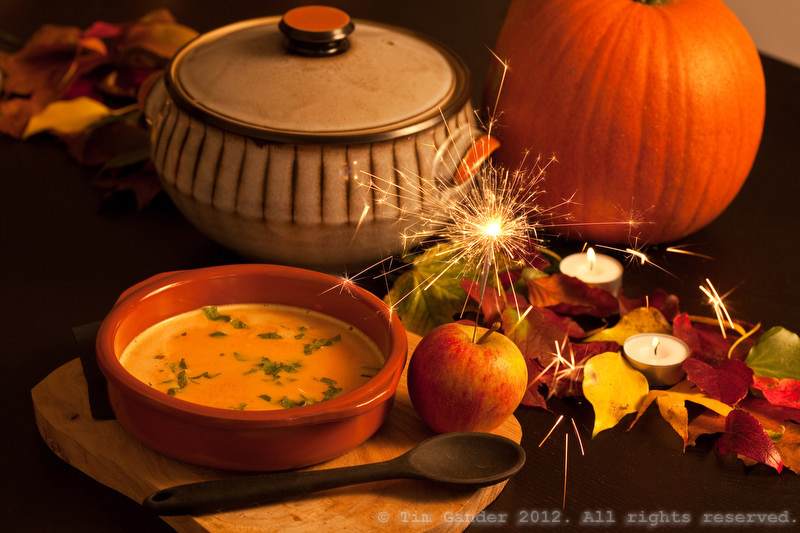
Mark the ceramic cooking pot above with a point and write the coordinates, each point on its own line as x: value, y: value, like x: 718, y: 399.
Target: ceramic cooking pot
x: 309, y: 139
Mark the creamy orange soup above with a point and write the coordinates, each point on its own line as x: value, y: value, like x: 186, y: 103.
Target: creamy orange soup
x: 253, y: 357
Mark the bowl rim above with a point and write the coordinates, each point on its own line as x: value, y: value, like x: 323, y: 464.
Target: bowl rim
x: 374, y: 392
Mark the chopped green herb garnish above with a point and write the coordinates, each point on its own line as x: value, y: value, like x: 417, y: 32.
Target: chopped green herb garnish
x: 270, y: 335
x: 332, y: 391
x: 316, y: 344
x: 240, y: 357
x: 206, y: 375
x: 213, y: 314
x: 182, y: 364
x: 182, y: 380
x: 239, y: 407
x: 265, y: 397
x: 159, y: 356
x: 217, y: 334
x: 299, y: 336
x: 288, y: 403
x: 238, y: 324
x: 274, y: 368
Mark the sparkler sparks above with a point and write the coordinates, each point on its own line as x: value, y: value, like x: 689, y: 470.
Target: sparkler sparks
x: 490, y: 223
x: 568, y: 373
x: 715, y: 300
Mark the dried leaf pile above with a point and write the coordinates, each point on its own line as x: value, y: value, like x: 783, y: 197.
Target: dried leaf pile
x: 746, y: 383
x: 84, y: 86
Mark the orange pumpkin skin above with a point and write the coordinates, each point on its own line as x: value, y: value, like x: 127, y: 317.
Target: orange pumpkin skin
x: 654, y: 112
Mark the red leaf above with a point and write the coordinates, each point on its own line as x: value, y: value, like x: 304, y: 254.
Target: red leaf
x: 729, y: 382
x: 534, y: 398
x: 744, y: 435
x: 570, y: 296
x: 539, y: 333
x: 706, y: 342
x: 785, y: 392
x: 492, y: 305
x: 764, y: 410
x: 659, y: 298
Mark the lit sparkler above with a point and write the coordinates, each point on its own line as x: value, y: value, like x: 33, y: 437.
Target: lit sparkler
x: 490, y: 223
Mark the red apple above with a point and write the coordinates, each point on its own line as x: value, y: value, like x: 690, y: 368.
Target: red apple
x: 460, y: 384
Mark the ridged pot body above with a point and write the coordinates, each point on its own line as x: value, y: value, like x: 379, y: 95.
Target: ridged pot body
x: 324, y: 206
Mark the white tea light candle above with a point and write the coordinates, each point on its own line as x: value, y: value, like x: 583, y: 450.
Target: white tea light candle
x: 598, y: 270
x: 658, y: 356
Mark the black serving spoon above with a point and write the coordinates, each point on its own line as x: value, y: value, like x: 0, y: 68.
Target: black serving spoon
x: 471, y: 459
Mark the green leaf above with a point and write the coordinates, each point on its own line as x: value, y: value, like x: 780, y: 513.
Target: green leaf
x: 430, y: 293
x: 776, y: 354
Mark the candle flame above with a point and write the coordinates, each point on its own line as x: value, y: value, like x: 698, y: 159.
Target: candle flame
x: 591, y: 257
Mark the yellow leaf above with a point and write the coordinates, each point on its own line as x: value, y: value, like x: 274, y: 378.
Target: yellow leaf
x: 639, y: 320
x: 66, y: 116
x: 613, y: 388
x: 672, y: 406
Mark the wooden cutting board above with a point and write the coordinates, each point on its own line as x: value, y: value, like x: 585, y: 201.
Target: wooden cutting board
x: 103, y: 450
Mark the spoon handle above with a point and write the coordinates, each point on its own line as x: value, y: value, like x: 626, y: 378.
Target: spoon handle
x: 250, y: 491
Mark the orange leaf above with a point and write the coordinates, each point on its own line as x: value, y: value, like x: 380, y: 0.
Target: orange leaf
x: 157, y: 33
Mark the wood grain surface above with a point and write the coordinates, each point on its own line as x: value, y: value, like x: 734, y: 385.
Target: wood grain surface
x: 107, y: 453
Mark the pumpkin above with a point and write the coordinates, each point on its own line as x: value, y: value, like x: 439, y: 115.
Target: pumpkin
x: 654, y: 110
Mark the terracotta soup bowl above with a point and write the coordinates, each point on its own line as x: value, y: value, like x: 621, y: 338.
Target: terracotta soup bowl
x: 249, y: 440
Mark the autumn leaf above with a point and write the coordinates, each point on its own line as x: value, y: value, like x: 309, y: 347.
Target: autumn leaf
x: 776, y: 354
x: 65, y: 117
x: 570, y: 296
x: 639, y: 320
x: 429, y: 293
x: 158, y: 34
x: 533, y: 398
x: 728, y: 382
x: 706, y: 423
x: 537, y: 334
x: 493, y: 301
x: 672, y: 406
x: 782, y: 424
x: 613, y: 388
x: 659, y: 299
x: 785, y: 392
x: 705, y: 342
x: 744, y: 435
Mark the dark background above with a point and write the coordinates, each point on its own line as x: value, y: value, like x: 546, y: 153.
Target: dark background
x: 65, y: 260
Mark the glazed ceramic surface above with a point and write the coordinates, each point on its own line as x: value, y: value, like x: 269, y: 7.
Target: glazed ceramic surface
x: 249, y: 440
x: 320, y: 162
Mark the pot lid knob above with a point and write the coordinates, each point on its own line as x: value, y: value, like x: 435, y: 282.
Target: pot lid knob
x: 317, y: 30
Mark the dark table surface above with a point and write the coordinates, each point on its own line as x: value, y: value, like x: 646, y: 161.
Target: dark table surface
x: 65, y: 261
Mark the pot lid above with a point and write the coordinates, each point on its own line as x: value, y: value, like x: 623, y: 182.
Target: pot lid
x: 314, y: 75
